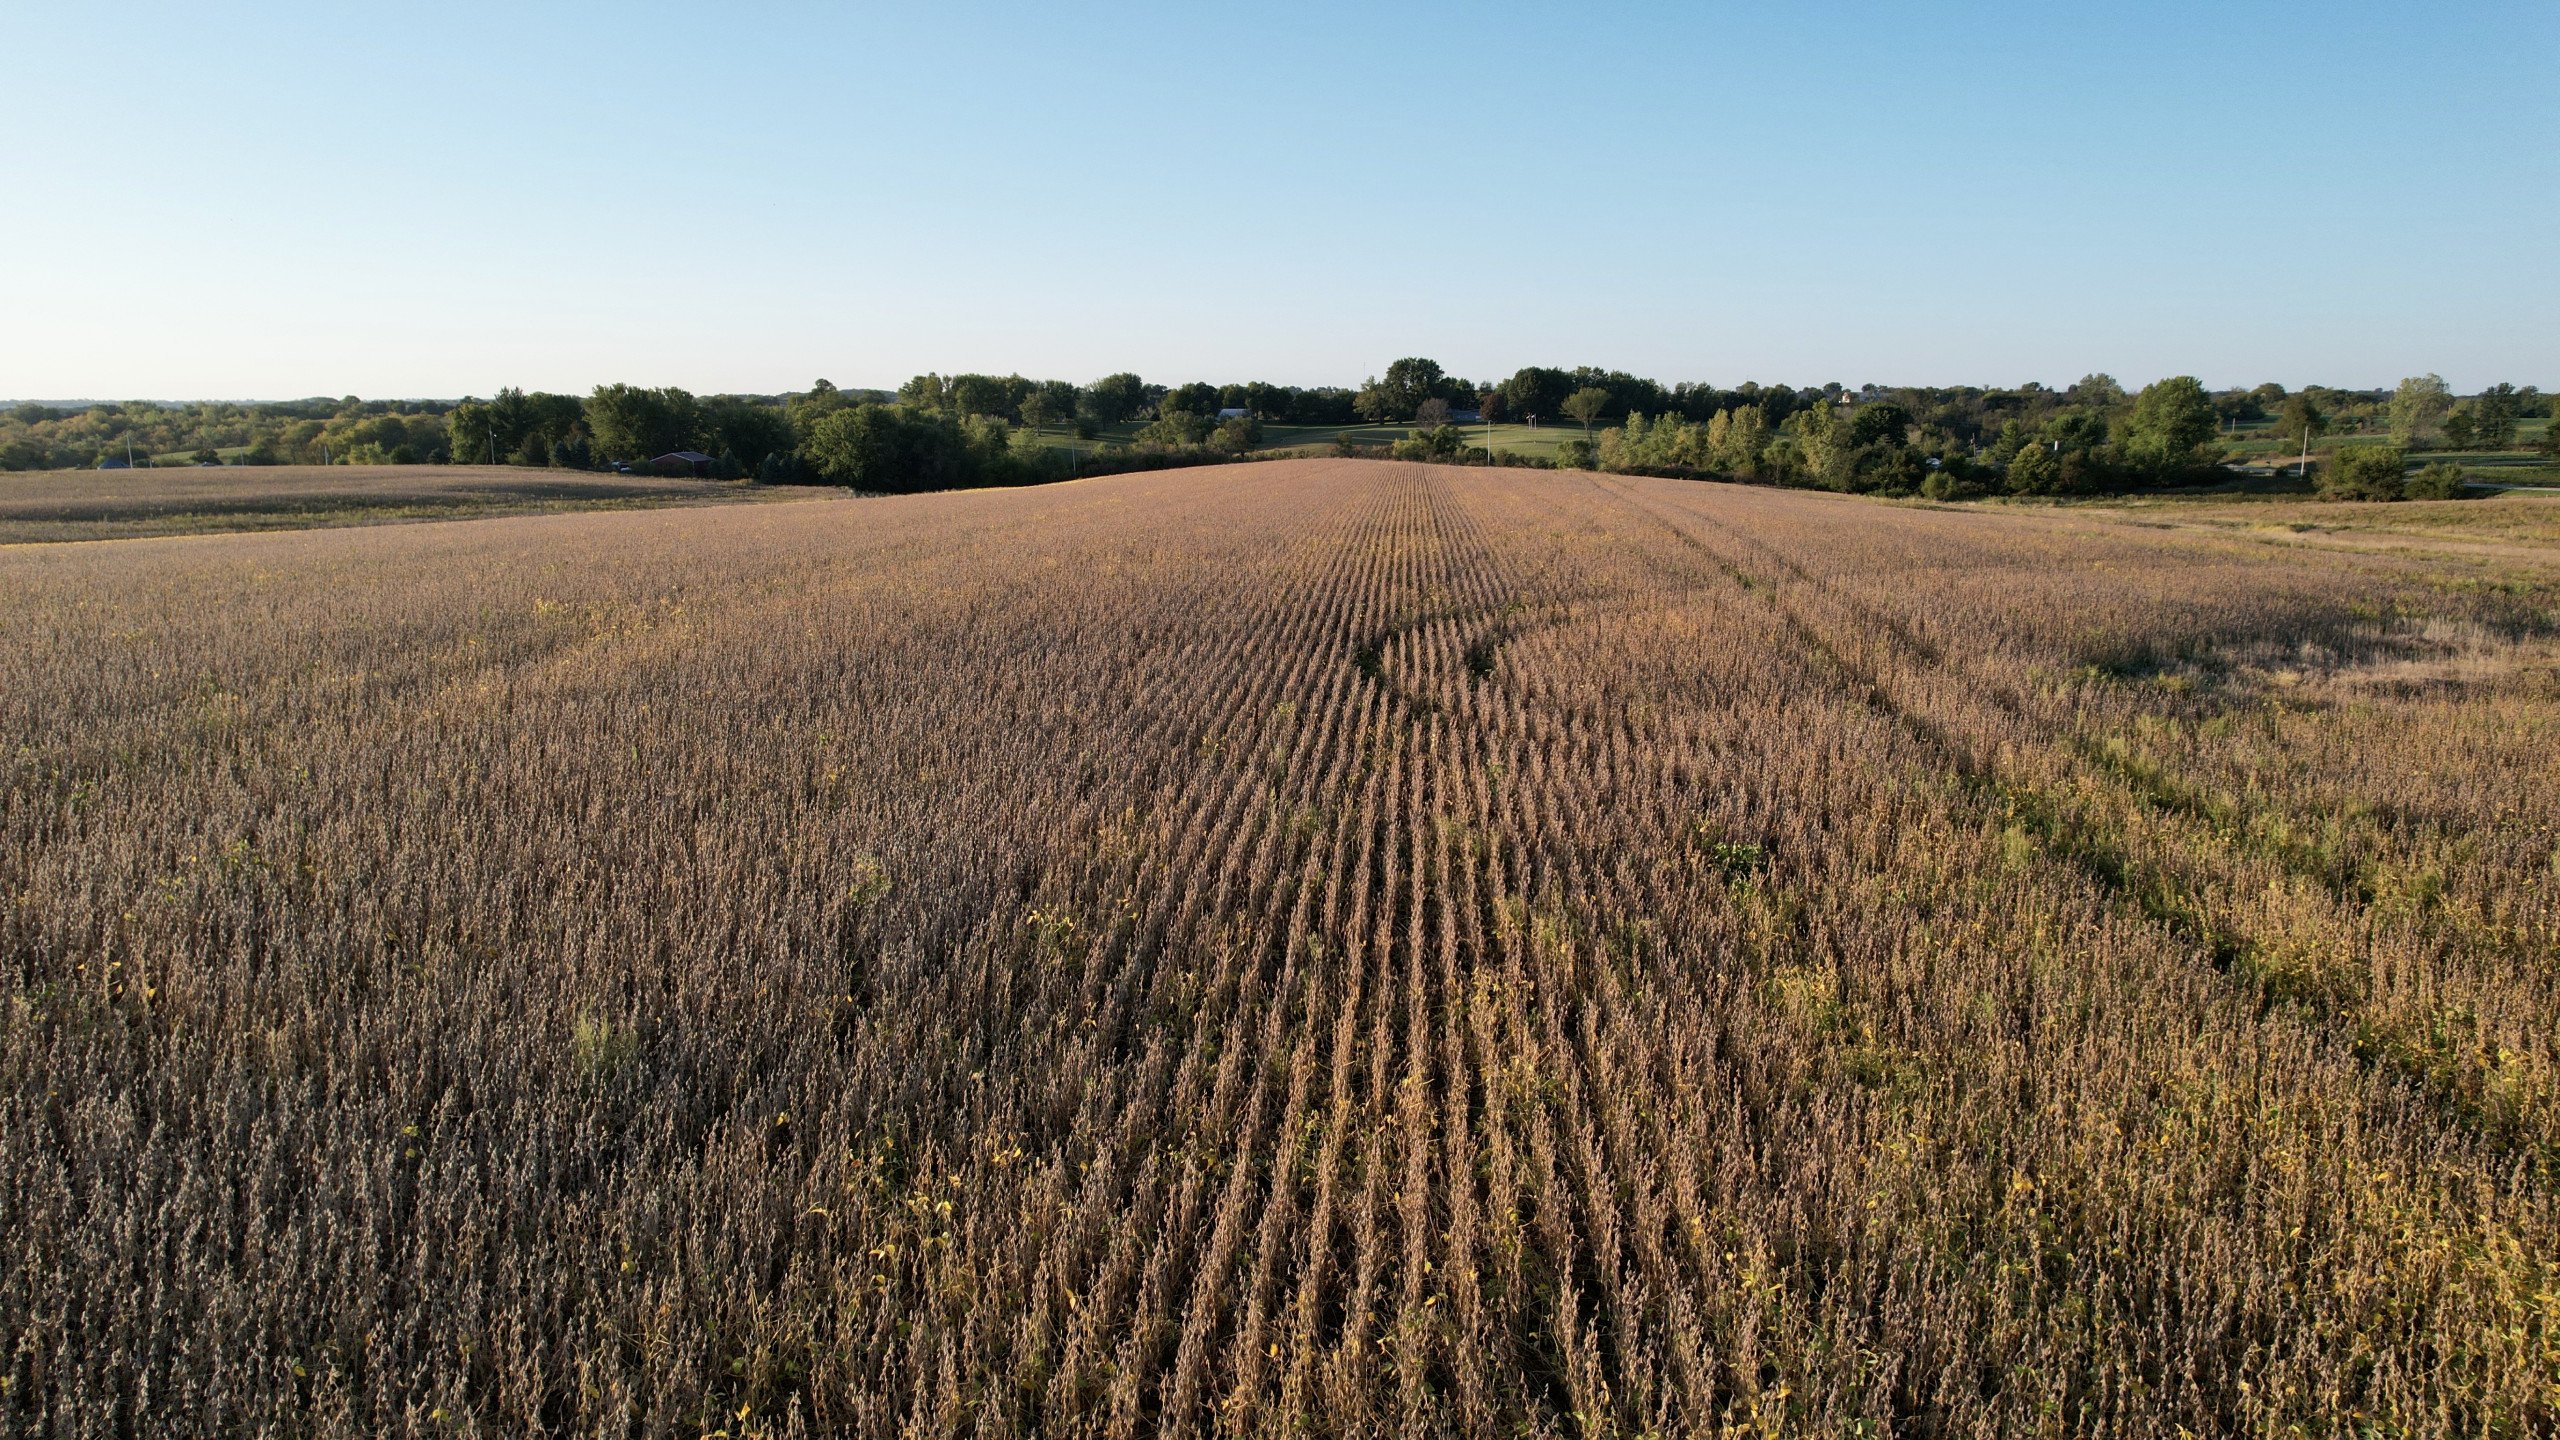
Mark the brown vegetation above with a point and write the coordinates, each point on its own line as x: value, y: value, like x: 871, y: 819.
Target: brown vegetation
x: 50, y: 505
x: 1320, y: 947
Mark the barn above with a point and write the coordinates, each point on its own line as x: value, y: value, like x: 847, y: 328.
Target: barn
x: 682, y: 462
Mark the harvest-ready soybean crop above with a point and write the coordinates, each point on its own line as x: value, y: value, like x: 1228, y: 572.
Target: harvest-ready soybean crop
x: 1323, y: 947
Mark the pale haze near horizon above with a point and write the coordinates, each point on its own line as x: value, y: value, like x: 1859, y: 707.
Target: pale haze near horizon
x: 287, y: 200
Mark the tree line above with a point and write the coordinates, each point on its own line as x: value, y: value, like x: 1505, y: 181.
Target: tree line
x: 2090, y: 438
x: 290, y: 432
x: 939, y: 431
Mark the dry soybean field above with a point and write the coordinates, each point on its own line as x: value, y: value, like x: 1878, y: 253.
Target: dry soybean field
x: 1318, y: 948
x: 117, y: 504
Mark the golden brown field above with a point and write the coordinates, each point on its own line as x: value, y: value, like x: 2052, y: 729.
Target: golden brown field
x: 1326, y: 948
x: 46, y: 505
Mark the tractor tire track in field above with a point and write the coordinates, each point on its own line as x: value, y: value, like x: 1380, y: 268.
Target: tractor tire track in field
x: 2048, y: 810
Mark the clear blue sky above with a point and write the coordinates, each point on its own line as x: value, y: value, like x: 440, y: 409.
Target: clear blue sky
x: 285, y: 199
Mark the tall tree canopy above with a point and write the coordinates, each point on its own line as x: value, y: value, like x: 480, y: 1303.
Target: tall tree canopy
x: 634, y: 422
x: 1400, y: 394
x: 1586, y: 405
x: 1114, y: 398
x: 2418, y: 408
x: 2171, y: 422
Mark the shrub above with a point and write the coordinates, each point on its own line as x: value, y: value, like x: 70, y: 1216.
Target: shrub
x: 2439, y: 481
x: 1577, y: 455
x: 2034, y: 471
x: 1175, y: 429
x: 598, y: 1050
x: 1671, y: 442
x: 1440, y: 442
x: 2365, y: 472
x: 1885, y: 468
x: 1238, y: 435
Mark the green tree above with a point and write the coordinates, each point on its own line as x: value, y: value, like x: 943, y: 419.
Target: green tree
x: 1113, y: 398
x: 2365, y: 472
x: 1883, y: 423
x: 512, y: 427
x: 2172, y: 421
x: 821, y: 398
x: 472, y: 429
x: 1437, y: 442
x: 1821, y: 445
x: 1175, y: 429
x: 1057, y: 400
x: 2034, y: 471
x: 1587, y: 405
x: 927, y: 392
x: 2097, y: 392
x: 1237, y: 435
x: 984, y: 395
x: 2440, y: 481
x: 2301, y: 421
x: 1411, y: 381
x: 632, y: 422
x: 1036, y: 412
x: 1535, y: 390
x: 2418, y: 408
x: 1398, y: 396
x: 2493, y: 417
x: 1197, y: 398
x: 747, y: 429
x: 1735, y: 439
x: 889, y: 448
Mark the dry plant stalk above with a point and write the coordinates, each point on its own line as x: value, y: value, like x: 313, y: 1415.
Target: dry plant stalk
x: 1317, y: 948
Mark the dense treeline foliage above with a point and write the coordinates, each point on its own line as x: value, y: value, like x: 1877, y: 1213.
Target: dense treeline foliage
x: 1307, y: 950
x: 294, y: 432
x: 938, y: 432
x: 2091, y: 438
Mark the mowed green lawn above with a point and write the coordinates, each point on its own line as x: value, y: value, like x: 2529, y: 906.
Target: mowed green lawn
x: 2521, y: 463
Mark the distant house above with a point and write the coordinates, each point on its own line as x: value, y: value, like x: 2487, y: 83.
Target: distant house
x: 692, y: 462
x: 1234, y: 412
x: 118, y: 463
x: 1466, y: 417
